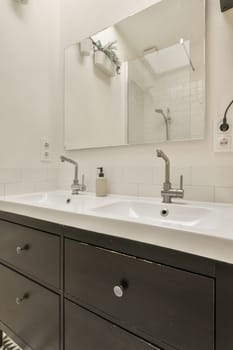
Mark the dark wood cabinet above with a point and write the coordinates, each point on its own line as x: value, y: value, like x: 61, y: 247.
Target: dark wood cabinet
x: 29, y: 311
x: 167, y: 306
x: 32, y: 251
x: 86, y: 331
x: 226, y: 5
x: 75, y: 289
x: 224, y: 306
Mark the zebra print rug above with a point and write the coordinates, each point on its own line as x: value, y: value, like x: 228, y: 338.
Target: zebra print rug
x: 8, y: 344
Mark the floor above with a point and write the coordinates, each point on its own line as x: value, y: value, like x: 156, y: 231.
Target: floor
x: 8, y: 344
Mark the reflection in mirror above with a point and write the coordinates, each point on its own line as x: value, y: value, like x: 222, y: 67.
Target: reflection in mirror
x: 166, y: 80
x: 139, y: 81
x: 94, y: 97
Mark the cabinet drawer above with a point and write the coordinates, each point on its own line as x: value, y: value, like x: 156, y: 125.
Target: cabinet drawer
x: 169, y: 307
x: 86, y: 331
x: 39, y: 255
x: 29, y: 310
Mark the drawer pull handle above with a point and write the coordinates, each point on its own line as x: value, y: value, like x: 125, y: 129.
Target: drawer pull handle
x: 19, y: 249
x: 120, y: 289
x: 19, y: 300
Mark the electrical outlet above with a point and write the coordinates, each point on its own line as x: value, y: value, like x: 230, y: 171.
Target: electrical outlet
x: 227, y: 132
x: 222, y: 139
x: 45, y: 150
x: 223, y: 143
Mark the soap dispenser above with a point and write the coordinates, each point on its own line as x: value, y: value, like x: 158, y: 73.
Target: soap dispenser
x: 101, y: 183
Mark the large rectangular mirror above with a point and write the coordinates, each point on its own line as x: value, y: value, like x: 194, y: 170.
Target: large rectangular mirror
x: 139, y: 81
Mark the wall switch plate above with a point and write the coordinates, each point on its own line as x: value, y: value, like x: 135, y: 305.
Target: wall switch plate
x: 223, y: 144
x: 223, y: 139
x: 45, y: 150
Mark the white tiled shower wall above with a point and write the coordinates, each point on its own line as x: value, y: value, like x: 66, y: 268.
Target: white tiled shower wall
x: 184, y: 100
x: 174, y: 91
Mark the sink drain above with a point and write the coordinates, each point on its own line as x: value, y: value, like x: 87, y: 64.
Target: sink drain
x: 164, y: 212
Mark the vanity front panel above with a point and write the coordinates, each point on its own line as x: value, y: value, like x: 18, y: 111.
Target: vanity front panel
x: 86, y: 331
x: 29, y: 311
x: 169, y: 307
x: 32, y: 251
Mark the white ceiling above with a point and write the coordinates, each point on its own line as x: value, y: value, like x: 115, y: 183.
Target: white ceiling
x: 163, y: 24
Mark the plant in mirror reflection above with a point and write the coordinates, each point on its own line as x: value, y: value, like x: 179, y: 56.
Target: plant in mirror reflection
x: 110, y: 50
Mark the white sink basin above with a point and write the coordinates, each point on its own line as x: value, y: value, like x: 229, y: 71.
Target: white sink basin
x: 168, y: 214
x: 60, y: 200
x: 198, y: 228
x: 188, y: 216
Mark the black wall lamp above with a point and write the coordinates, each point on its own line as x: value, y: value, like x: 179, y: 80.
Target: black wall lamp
x: 226, y: 5
x: 225, y: 126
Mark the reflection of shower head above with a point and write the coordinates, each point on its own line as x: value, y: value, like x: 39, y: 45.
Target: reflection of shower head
x: 160, y: 111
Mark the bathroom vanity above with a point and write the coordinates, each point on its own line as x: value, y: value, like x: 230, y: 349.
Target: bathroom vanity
x: 66, y: 287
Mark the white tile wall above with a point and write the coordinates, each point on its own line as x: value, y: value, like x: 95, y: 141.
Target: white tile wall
x: 223, y: 194
x: 145, y: 190
x: 138, y: 175
x: 17, y: 181
x: 201, y: 183
x: 200, y: 193
x: 203, y: 175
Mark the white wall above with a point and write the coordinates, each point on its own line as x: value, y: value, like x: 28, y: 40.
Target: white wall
x: 135, y: 170
x: 81, y: 19
x: 30, y: 103
x: 94, y: 105
x: 29, y: 76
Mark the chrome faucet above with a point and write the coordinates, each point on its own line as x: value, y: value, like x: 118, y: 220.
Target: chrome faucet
x: 168, y: 192
x: 76, y: 186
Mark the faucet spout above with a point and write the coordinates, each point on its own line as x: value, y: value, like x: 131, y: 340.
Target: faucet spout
x: 76, y: 186
x: 69, y: 160
x: 167, y: 183
x: 168, y: 192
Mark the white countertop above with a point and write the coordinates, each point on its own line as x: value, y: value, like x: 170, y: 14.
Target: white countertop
x: 204, y: 229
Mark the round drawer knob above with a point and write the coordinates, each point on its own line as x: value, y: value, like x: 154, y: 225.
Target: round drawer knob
x: 20, y: 249
x: 118, y: 291
x: 19, y: 300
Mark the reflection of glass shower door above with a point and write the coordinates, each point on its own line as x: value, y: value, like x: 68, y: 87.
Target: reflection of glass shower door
x: 154, y: 128
x: 172, y: 91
